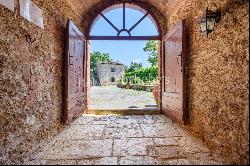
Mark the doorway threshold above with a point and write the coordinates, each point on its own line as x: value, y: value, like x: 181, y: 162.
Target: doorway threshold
x: 124, y: 111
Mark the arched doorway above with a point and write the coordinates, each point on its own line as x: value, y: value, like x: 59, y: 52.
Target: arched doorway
x: 125, y: 26
x: 172, y: 52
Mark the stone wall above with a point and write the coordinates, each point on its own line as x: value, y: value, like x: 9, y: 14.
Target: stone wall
x: 105, y: 74
x: 31, y: 78
x: 218, y: 76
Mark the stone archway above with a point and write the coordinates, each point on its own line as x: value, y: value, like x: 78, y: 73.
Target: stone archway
x: 156, y: 17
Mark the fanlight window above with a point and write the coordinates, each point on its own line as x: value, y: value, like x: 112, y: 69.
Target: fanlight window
x: 124, y: 21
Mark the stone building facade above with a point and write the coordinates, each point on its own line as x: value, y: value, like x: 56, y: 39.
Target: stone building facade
x: 109, y: 73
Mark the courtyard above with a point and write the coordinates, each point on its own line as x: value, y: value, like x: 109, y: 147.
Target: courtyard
x: 112, y: 97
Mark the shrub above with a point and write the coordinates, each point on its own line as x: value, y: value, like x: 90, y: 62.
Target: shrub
x: 147, y: 76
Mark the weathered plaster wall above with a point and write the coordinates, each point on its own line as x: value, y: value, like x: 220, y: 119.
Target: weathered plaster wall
x: 218, y: 76
x: 31, y: 78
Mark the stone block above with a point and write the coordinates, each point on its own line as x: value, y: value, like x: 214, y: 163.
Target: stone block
x: 139, y: 160
x: 79, y: 149
x: 132, y: 146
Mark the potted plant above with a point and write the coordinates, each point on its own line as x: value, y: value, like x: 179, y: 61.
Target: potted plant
x: 156, y: 93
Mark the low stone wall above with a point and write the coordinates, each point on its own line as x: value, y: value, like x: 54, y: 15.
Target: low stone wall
x: 148, y: 88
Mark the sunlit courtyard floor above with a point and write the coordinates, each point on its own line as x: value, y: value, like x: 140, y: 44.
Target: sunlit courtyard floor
x: 112, y: 97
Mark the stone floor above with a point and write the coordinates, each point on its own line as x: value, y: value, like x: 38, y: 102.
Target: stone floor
x: 112, y: 97
x: 124, y: 140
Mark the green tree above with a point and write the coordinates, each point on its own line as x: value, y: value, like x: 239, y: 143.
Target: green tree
x: 96, y: 57
x: 133, y: 67
x: 126, y: 68
x: 152, y: 49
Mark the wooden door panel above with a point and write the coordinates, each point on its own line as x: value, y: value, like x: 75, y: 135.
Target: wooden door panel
x: 172, y: 101
x: 173, y: 90
x: 75, y: 62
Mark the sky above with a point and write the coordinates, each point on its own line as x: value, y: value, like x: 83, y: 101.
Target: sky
x: 123, y: 51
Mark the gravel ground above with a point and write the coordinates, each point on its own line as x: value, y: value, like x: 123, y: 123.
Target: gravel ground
x: 112, y: 97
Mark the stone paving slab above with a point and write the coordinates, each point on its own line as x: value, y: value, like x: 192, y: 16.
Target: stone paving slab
x: 170, y: 152
x: 124, y: 140
x: 93, y: 161
x: 82, y: 132
x: 122, y: 130
x: 166, y: 141
x: 92, y: 120
x: 99, y: 161
x: 191, y: 145
x: 60, y: 162
x: 79, y: 149
x: 161, y: 130
x: 176, y: 162
x: 108, y: 119
x: 139, y: 160
x: 202, y: 158
x: 129, y: 119
x: 132, y: 146
x: 148, y: 119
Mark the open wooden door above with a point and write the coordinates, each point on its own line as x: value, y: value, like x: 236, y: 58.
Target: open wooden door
x: 75, y: 73
x: 173, y: 71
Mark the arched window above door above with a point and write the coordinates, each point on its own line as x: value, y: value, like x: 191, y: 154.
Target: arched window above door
x: 124, y: 21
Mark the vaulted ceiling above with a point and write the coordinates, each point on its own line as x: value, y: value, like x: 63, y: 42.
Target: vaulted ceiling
x: 166, y: 7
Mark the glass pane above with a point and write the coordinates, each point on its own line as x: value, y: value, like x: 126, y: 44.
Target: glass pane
x: 102, y: 28
x: 132, y: 17
x: 116, y: 17
x: 145, y: 28
x: 210, y: 24
x: 203, y: 26
x: 124, y: 33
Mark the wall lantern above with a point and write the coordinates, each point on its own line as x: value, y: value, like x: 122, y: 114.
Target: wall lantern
x: 208, y: 21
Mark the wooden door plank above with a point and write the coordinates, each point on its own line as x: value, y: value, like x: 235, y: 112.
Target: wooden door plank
x: 75, y: 62
x: 173, y: 89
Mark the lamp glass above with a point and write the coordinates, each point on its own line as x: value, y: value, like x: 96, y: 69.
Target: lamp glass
x: 203, y: 25
x: 210, y: 23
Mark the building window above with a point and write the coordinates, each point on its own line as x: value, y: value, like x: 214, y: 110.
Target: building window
x: 113, y: 69
x: 112, y: 79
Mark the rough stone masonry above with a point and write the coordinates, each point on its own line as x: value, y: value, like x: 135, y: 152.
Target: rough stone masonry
x: 31, y: 72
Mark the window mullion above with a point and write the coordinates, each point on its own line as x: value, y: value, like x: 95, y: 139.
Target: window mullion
x: 124, y: 16
x: 138, y: 22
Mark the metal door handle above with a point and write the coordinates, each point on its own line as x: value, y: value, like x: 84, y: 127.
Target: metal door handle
x: 180, y: 55
x: 71, y: 64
